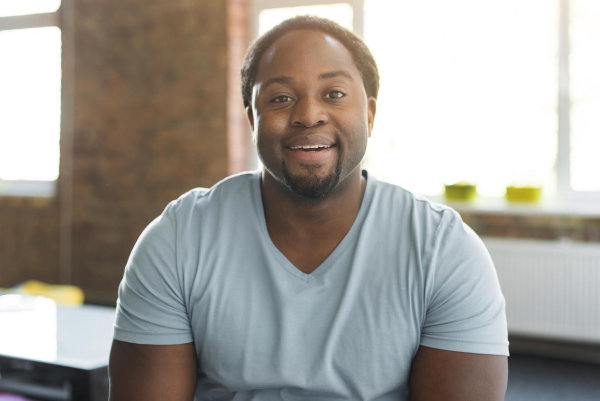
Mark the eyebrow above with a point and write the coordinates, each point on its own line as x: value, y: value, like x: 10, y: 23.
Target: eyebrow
x: 334, y: 74
x: 284, y: 79
x: 278, y: 80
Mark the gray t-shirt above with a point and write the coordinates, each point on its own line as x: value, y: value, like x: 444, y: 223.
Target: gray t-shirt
x: 408, y: 273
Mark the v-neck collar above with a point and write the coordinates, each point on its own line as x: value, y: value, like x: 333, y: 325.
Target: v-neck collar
x: 334, y: 255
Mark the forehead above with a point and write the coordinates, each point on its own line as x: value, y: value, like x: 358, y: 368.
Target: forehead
x: 304, y: 52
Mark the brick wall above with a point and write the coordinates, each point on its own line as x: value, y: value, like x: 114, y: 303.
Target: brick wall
x: 238, y: 129
x: 149, y: 122
x: 29, y: 246
x: 541, y: 227
x: 144, y: 120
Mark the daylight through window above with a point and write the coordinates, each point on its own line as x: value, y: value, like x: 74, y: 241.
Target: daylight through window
x: 470, y: 91
x: 30, y: 95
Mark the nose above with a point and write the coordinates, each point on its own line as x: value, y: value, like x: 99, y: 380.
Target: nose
x: 308, y: 113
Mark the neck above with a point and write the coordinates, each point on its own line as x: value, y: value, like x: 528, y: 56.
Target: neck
x: 306, y: 230
x: 284, y: 207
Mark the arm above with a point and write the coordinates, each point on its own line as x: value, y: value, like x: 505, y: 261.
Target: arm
x: 457, y: 376
x: 152, y: 372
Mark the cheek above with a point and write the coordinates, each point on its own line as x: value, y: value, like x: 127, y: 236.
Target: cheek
x: 270, y: 124
x: 356, y: 130
x: 356, y: 126
x: 267, y: 138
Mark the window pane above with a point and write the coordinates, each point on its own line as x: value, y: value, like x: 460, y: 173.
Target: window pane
x: 22, y: 7
x: 585, y: 94
x: 468, y: 92
x: 339, y: 12
x: 30, y: 78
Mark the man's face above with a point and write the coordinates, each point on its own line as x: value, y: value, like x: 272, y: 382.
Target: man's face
x: 310, y: 114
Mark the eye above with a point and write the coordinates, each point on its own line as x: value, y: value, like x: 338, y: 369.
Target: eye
x: 335, y: 94
x: 281, y: 99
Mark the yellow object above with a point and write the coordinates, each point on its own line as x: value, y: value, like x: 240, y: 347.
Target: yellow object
x: 64, y: 294
x: 460, y: 191
x: 523, y: 194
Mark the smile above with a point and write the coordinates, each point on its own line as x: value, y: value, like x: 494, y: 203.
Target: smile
x: 311, y: 148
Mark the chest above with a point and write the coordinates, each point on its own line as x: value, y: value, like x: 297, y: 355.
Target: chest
x: 259, y: 326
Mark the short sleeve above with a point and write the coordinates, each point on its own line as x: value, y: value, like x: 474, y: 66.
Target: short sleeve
x: 466, y: 308
x: 151, y: 307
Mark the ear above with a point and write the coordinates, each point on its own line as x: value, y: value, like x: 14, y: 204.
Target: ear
x: 371, y: 110
x: 250, y: 115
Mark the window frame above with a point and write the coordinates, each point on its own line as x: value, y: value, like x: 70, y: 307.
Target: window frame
x: 565, y: 191
x: 566, y: 200
x: 256, y: 6
x: 30, y: 188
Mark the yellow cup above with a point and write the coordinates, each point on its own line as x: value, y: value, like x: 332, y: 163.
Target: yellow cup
x: 528, y: 194
x: 460, y: 191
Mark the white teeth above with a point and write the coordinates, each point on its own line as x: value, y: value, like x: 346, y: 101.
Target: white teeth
x: 309, y: 147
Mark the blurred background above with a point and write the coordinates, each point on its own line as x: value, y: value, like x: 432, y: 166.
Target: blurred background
x: 110, y: 109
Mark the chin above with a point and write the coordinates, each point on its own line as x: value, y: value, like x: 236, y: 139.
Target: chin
x: 312, y: 185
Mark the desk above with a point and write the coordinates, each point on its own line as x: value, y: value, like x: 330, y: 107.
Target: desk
x: 54, y: 352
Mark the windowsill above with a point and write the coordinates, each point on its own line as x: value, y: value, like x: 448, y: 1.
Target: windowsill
x: 37, y: 189
x: 546, y: 207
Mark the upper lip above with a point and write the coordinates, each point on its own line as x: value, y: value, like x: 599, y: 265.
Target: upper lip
x: 309, y: 141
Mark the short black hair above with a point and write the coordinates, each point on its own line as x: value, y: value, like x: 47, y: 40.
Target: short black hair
x: 361, y: 54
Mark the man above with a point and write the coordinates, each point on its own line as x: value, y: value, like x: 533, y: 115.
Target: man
x: 310, y: 280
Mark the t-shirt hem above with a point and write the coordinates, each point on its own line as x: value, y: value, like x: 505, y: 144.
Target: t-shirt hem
x: 152, y: 339
x: 469, y: 347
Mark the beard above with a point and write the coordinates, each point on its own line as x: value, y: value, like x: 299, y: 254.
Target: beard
x: 311, y: 185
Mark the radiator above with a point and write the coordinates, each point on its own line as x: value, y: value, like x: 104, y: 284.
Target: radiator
x: 552, y: 288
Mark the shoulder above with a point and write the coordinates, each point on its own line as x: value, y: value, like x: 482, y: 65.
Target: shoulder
x: 183, y: 216
x: 398, y: 203
x: 436, y: 230
x: 234, y: 188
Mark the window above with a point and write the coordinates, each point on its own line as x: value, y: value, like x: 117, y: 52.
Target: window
x: 584, y: 84
x: 495, y: 93
x: 30, y: 96
x: 265, y: 14
x: 338, y: 12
